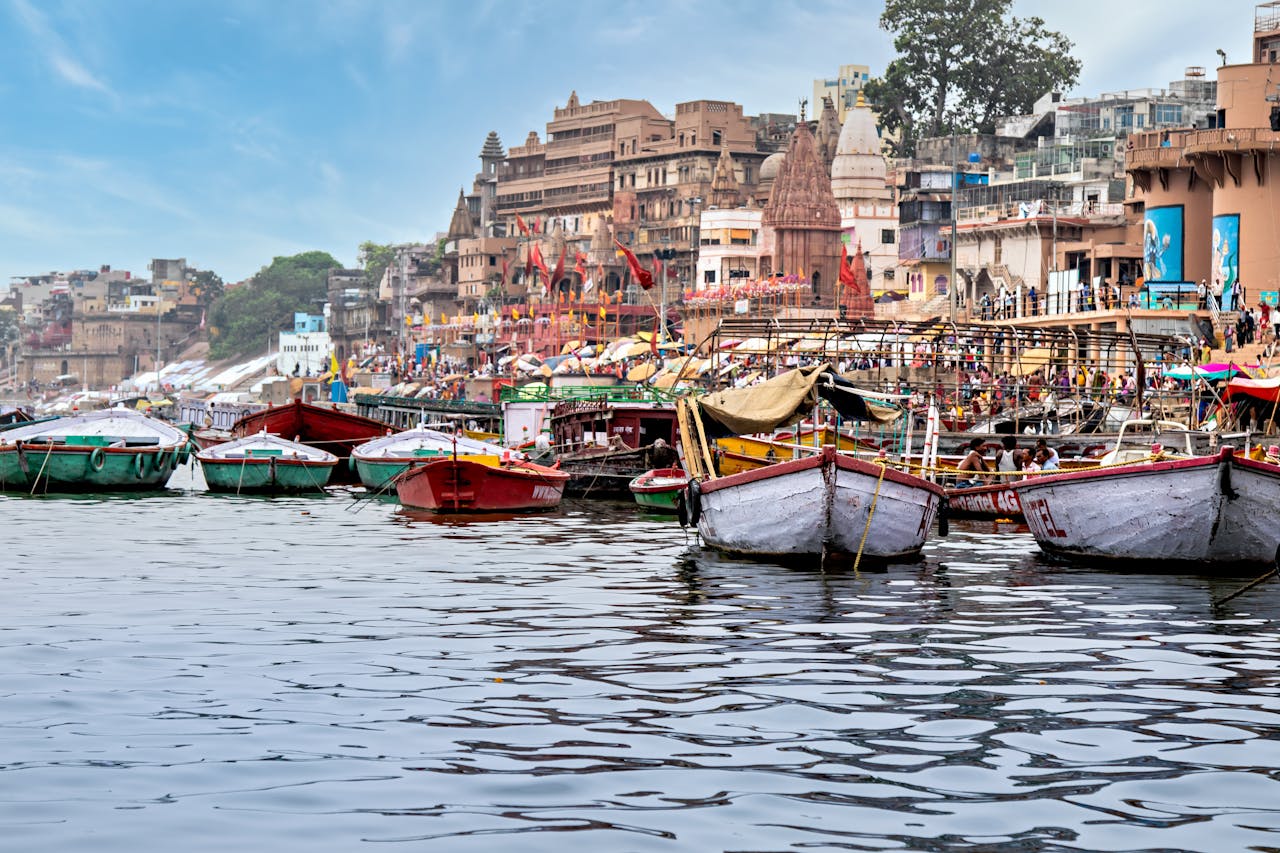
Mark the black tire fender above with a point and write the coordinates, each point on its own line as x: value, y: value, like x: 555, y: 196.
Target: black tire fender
x: 694, y: 501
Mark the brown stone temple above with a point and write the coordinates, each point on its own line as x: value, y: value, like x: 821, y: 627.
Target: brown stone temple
x: 804, y: 220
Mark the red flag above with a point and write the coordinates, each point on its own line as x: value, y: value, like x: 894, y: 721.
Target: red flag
x: 559, y: 273
x: 522, y: 225
x: 642, y: 276
x: 535, y: 257
x: 657, y: 269
x: 528, y: 265
x: 537, y: 225
x: 504, y: 272
x: 846, y: 271
x: 579, y: 260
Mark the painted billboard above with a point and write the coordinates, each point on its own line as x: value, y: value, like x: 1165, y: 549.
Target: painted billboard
x: 1162, y: 244
x: 1226, y: 257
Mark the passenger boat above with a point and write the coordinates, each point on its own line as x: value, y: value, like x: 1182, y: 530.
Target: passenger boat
x: 1165, y: 508
x: 660, y: 489
x: 325, y: 427
x: 105, y: 450
x: 823, y: 505
x: 482, y: 484
x: 377, y: 462
x: 265, y: 463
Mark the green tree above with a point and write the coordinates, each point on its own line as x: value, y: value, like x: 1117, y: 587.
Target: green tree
x: 375, y: 258
x: 962, y: 64
x: 207, y: 286
x: 246, y: 317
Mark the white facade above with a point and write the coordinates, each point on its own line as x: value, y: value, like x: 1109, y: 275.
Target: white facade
x: 730, y: 241
x: 868, y: 215
x: 303, y: 353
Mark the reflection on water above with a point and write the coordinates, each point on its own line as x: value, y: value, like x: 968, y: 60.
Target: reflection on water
x: 297, y: 673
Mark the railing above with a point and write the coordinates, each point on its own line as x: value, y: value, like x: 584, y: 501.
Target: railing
x: 539, y: 393
x: 461, y: 407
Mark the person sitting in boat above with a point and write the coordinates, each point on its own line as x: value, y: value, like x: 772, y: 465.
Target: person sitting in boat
x: 1046, y: 456
x: 1008, y: 458
x: 974, y: 463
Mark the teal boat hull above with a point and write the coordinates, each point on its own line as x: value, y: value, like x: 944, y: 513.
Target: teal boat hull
x: 269, y: 475
x: 77, y: 468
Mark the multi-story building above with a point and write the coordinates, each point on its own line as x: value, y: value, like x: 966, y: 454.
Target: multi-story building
x: 1208, y: 196
x: 663, y: 177
x: 843, y: 89
x: 356, y: 317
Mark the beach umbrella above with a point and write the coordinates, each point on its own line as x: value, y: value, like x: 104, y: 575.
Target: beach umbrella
x: 641, y: 372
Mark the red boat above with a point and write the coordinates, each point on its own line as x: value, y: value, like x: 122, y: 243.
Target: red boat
x: 325, y: 427
x: 462, y: 485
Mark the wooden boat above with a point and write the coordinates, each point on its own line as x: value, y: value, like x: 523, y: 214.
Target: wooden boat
x: 660, y: 489
x: 1215, y: 510
x: 105, y: 450
x: 265, y: 463
x: 325, y: 427
x: 378, y: 462
x: 823, y: 505
x: 482, y: 484
x: 819, y: 506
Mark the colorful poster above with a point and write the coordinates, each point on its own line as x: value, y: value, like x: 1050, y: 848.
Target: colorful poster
x: 1162, y: 244
x: 1226, y: 258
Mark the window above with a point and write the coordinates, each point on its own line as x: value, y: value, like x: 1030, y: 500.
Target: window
x: 716, y: 137
x: 709, y: 276
x: 887, y: 236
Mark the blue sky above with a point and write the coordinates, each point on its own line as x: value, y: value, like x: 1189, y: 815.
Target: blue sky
x: 232, y: 132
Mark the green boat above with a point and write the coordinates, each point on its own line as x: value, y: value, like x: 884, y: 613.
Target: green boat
x: 659, y: 490
x: 109, y: 450
x: 265, y: 464
x: 380, y: 461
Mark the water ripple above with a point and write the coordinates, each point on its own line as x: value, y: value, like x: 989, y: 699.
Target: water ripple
x: 310, y: 673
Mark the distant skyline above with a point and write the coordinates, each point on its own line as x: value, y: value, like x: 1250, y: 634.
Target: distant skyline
x: 234, y: 132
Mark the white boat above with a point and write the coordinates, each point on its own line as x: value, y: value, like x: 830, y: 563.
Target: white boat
x: 821, y: 505
x: 380, y: 460
x: 264, y: 462
x: 825, y: 505
x: 1210, y: 510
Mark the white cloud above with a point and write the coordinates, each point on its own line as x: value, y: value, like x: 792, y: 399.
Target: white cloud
x: 49, y: 44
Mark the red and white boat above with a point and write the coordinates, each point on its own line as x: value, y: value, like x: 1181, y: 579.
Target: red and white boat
x: 820, y: 505
x: 1209, y: 510
x: 825, y: 505
x: 481, y: 484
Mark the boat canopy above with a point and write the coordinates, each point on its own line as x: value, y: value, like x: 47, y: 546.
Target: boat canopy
x: 1265, y: 390
x: 786, y: 398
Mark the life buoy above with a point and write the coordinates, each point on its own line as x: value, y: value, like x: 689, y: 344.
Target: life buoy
x: 159, y: 460
x: 139, y: 465
x: 97, y: 459
x: 22, y: 458
x: 695, y: 501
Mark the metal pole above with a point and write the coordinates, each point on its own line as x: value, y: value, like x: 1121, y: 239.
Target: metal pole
x: 158, y: 297
x: 955, y: 193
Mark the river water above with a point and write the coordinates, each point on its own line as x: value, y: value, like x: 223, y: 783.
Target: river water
x: 192, y: 672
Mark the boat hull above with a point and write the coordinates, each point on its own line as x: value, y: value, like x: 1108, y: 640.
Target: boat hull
x: 63, y: 468
x: 460, y: 485
x: 992, y: 502
x: 266, y: 476
x: 818, y: 507
x: 326, y: 428
x: 1209, y: 511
